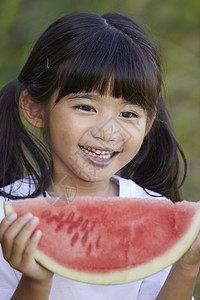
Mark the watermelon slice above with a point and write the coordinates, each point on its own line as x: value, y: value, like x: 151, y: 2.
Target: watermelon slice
x: 110, y: 240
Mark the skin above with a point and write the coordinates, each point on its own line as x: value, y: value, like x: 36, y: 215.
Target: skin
x: 103, y: 123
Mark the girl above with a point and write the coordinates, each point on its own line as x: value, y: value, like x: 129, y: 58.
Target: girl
x: 93, y: 84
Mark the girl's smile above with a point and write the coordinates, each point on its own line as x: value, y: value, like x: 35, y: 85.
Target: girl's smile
x: 98, y: 157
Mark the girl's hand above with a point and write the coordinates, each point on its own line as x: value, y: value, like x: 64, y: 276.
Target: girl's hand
x: 191, y: 260
x: 19, y: 246
x: 181, y: 280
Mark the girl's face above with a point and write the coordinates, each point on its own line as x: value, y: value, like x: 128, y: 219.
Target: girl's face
x: 91, y: 137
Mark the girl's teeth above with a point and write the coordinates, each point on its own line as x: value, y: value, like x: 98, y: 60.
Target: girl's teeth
x: 97, y: 153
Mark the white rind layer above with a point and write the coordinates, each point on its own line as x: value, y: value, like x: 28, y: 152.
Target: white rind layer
x: 128, y: 275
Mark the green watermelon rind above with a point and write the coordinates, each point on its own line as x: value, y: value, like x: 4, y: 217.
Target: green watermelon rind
x: 128, y: 275
x: 134, y: 274
x: 8, y: 208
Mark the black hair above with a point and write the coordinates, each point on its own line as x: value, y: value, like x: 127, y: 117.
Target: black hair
x: 87, y: 52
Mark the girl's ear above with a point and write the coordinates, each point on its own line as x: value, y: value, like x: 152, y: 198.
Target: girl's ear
x: 32, y: 111
x: 150, y: 122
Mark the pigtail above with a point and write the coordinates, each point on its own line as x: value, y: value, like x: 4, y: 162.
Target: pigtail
x: 8, y: 119
x: 18, y: 149
x: 157, y: 165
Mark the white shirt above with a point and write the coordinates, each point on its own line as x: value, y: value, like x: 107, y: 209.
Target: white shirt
x: 63, y: 288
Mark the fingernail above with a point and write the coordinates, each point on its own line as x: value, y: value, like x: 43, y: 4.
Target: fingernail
x: 34, y: 220
x: 37, y: 234
x: 12, y: 216
x: 27, y: 216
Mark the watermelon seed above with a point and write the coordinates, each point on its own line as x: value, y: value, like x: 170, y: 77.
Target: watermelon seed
x: 70, y: 228
x: 84, y: 225
x: 61, y: 215
x: 59, y: 226
x: 50, y: 219
x: 98, y: 241
x: 79, y: 221
x: 75, y: 224
x: 56, y: 218
x: 89, y: 249
x: 74, y: 239
x: 70, y: 217
x: 53, y: 218
x: 174, y: 221
x: 84, y: 238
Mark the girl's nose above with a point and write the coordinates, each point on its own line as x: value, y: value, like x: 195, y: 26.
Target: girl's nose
x: 109, y: 131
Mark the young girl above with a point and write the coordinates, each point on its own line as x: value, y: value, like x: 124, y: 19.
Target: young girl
x: 93, y: 84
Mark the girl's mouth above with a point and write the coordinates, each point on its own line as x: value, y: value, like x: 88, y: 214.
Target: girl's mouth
x: 97, y: 153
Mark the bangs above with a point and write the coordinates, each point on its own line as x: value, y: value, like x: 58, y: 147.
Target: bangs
x: 110, y: 62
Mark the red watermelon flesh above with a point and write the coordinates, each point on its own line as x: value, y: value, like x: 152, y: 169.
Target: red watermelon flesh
x: 110, y: 240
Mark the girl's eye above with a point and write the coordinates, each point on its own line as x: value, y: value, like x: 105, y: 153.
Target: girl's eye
x: 128, y: 114
x: 85, y: 107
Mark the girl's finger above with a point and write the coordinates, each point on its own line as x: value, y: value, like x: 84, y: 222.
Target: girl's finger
x: 21, y: 240
x: 31, y: 247
x: 30, y: 266
x: 6, y: 222
x: 10, y: 233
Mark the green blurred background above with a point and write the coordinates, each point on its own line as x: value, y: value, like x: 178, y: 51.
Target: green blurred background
x: 174, y: 25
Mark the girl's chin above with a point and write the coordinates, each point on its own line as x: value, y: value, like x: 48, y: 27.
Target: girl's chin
x: 93, y: 173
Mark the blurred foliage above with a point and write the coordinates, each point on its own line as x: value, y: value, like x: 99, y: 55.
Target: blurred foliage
x: 174, y: 25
